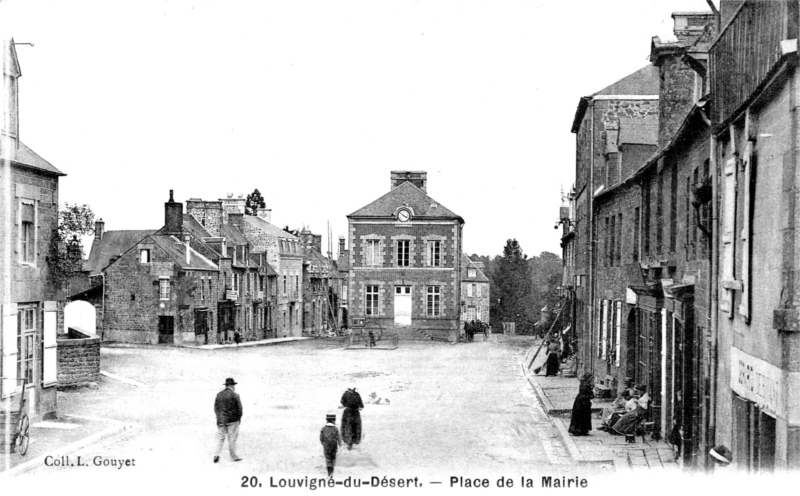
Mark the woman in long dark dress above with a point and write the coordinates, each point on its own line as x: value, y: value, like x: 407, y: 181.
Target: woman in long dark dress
x: 552, y: 364
x: 351, y: 419
x: 581, y: 422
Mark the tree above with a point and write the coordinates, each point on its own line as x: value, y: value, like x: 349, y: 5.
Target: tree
x: 512, y: 288
x: 254, y: 202
x: 546, y: 272
x: 66, y: 250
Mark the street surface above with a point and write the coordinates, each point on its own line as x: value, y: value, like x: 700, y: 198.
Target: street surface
x: 445, y: 410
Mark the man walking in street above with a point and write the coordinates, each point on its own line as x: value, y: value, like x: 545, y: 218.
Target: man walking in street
x: 351, y: 418
x: 228, y: 408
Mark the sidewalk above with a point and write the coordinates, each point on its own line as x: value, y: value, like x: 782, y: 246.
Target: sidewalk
x: 244, y: 344
x: 52, y: 439
x: 557, y: 395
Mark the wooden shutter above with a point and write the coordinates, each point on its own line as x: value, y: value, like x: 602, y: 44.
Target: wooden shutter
x: 619, y: 332
x: 747, y: 229
x: 50, y: 359
x: 9, y: 324
x: 728, y: 237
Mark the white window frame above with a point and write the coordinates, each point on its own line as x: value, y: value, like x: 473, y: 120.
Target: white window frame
x: 371, y: 299
x: 373, y: 253
x: 144, y: 253
x: 434, y: 253
x: 163, y: 289
x: 404, y: 253
x: 433, y: 301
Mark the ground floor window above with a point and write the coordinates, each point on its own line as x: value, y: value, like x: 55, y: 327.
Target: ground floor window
x: 434, y: 305
x: 754, y: 442
x: 26, y: 339
x: 372, y: 300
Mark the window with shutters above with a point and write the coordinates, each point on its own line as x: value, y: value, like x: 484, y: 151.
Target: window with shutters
x: 728, y: 236
x: 26, y: 338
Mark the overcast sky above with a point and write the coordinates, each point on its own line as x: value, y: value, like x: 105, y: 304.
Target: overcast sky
x: 315, y: 102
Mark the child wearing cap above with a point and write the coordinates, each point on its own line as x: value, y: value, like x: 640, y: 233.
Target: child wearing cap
x: 329, y: 437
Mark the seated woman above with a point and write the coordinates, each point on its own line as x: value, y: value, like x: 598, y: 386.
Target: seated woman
x: 616, y: 409
x: 627, y: 424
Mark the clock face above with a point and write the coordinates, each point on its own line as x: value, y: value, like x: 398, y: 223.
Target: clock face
x: 403, y: 216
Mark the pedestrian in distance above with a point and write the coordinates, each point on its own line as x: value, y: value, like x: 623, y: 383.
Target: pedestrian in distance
x: 228, y: 409
x: 330, y: 439
x: 371, y: 337
x: 351, y: 418
x: 237, y: 338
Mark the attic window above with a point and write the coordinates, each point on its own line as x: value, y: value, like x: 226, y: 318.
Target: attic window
x: 144, y: 255
x: 472, y: 273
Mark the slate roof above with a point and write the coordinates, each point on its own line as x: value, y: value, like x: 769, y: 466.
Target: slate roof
x: 467, y: 263
x: 409, y: 195
x: 233, y: 234
x: 176, y: 249
x: 113, y: 243
x: 645, y: 81
x: 194, y: 228
x: 267, y: 227
x: 29, y: 158
x: 638, y: 131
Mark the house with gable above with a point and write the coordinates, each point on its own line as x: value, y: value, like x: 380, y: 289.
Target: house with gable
x: 474, y: 292
x: 405, y: 262
x: 29, y: 215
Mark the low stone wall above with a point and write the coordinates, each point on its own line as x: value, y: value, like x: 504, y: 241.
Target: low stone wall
x: 78, y: 359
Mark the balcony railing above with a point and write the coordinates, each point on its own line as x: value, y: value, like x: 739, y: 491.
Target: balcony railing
x: 746, y: 52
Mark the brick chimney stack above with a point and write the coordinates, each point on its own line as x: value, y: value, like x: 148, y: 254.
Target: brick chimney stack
x: 173, y: 217
x: 99, y: 228
x: 417, y: 178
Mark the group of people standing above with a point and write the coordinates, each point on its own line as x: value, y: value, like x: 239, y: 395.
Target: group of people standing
x: 473, y: 326
x: 228, y: 411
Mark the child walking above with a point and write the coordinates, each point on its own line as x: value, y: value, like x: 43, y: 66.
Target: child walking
x: 329, y: 437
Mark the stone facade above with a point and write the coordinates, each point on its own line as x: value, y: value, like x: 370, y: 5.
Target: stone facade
x: 78, y: 360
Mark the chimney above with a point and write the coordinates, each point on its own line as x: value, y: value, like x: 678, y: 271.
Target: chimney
x: 173, y: 217
x: 417, y: 178
x: 264, y: 214
x: 316, y: 240
x: 188, y: 250
x: 341, y: 245
x: 689, y: 26
x: 236, y: 219
x: 99, y: 228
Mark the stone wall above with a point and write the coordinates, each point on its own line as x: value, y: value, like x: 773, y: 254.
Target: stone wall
x: 78, y: 360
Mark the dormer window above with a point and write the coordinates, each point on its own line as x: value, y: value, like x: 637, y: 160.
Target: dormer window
x: 472, y: 273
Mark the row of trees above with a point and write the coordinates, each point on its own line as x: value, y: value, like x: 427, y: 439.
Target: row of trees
x: 522, y: 286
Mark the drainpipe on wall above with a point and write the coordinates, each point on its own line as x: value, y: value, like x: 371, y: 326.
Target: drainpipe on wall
x: 591, y: 243
x: 714, y: 288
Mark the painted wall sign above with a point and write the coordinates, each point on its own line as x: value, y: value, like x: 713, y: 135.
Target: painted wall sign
x: 758, y: 381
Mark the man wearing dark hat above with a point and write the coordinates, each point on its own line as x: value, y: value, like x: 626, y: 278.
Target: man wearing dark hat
x: 329, y: 437
x: 228, y: 408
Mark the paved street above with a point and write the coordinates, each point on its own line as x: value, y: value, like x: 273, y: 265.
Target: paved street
x: 445, y: 410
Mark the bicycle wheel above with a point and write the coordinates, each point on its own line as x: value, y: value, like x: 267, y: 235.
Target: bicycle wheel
x: 23, y: 436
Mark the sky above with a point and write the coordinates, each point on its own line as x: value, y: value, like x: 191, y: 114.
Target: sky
x: 315, y: 102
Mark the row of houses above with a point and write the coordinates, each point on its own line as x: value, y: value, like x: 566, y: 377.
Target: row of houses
x: 679, y: 237
x: 209, y: 275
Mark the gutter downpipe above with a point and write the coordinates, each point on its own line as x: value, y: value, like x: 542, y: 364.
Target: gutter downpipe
x: 591, y: 243
x: 713, y: 305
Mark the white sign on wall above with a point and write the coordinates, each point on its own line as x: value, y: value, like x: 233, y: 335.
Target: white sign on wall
x: 757, y: 381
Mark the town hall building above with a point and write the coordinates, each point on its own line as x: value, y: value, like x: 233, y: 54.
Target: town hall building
x: 405, y: 261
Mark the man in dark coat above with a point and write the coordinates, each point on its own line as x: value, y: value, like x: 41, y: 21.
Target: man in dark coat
x: 329, y: 437
x: 228, y: 409
x: 351, y: 418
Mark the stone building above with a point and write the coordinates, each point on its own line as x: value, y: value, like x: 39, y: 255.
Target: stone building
x: 475, y: 294
x: 29, y: 215
x: 648, y: 258
x: 320, y: 287
x: 755, y: 170
x: 281, y: 251
x: 405, y: 262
